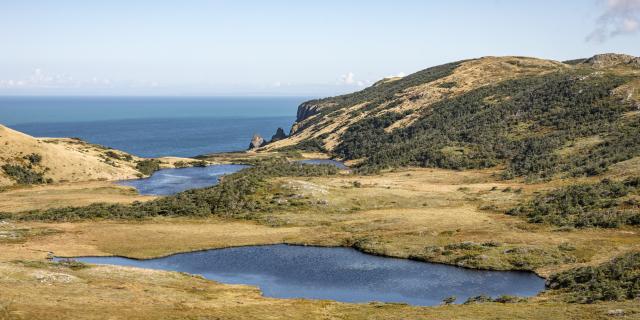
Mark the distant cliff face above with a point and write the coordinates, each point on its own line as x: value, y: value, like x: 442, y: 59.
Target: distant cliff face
x: 435, y: 117
x: 612, y: 59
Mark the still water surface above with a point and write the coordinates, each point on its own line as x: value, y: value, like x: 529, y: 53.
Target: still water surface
x: 341, y: 274
x: 171, y: 181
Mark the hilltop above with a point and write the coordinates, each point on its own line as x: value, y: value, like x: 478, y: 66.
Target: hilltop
x: 536, y: 118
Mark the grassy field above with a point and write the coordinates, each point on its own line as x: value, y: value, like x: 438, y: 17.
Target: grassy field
x: 426, y: 214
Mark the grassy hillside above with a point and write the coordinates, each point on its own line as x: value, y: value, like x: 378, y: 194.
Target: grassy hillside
x: 537, y: 118
x: 26, y: 160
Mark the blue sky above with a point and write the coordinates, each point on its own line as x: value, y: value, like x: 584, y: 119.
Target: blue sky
x: 283, y: 47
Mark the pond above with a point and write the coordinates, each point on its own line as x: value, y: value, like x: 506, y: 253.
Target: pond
x: 336, y: 163
x: 171, y: 181
x: 342, y: 274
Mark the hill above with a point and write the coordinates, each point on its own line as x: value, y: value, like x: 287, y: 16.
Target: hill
x: 28, y: 160
x: 536, y: 118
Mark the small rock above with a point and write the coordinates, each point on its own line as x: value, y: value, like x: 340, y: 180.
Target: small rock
x: 53, y: 277
x: 615, y: 313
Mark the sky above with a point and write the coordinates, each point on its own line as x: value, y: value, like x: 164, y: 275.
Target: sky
x: 284, y: 48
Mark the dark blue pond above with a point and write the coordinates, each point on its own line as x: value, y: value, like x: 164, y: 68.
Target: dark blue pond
x: 336, y: 163
x: 341, y: 274
x: 170, y: 181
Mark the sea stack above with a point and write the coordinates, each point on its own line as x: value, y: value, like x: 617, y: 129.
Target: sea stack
x: 256, y: 142
x: 279, y: 135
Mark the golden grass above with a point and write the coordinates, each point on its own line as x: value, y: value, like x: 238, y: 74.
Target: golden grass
x: 22, y: 198
x: 396, y: 213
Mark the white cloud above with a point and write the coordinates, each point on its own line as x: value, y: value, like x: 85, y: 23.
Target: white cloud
x: 40, y: 79
x: 620, y: 17
x: 349, y: 78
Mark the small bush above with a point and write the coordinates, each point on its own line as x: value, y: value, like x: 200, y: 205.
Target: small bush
x: 113, y: 155
x: 180, y: 164
x: 33, y: 158
x: 200, y: 163
x: 449, y: 300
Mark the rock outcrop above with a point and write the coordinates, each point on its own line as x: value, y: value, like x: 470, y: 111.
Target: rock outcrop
x: 279, y: 135
x: 606, y: 60
x: 308, y: 109
x: 256, y: 142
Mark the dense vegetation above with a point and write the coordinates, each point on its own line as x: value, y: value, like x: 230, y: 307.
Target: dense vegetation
x: 148, y: 166
x: 237, y: 195
x: 24, y: 174
x: 615, y: 280
x: 522, y: 123
x: 606, y: 204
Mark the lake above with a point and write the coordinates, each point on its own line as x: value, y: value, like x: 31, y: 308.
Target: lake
x: 153, y: 126
x: 342, y: 274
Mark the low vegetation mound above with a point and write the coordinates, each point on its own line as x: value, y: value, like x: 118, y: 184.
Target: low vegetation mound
x: 617, y: 279
x: 237, y: 195
x: 606, y: 204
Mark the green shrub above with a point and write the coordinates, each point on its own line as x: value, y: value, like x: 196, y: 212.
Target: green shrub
x: 585, y: 205
x: 148, y: 166
x: 23, y: 175
x: 200, y: 163
x: 614, y: 280
x: 449, y: 300
x: 33, y: 158
x: 113, y: 155
x: 180, y: 164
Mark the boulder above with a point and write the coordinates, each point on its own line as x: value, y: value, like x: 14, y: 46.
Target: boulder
x: 256, y: 142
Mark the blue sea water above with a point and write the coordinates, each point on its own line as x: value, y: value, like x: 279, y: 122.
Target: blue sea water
x: 153, y: 126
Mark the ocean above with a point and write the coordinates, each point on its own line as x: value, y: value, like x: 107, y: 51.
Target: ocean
x: 153, y: 126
